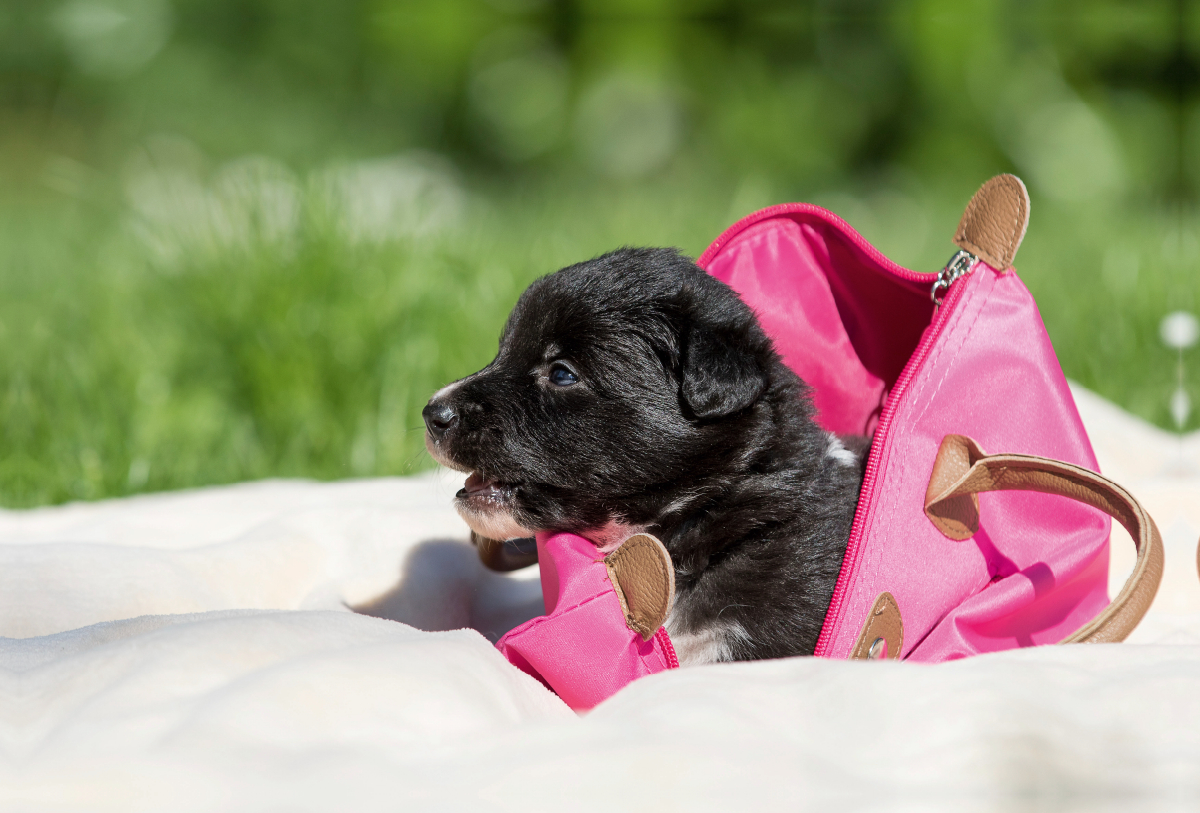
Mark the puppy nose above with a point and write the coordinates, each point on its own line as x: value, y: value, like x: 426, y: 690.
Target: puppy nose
x: 438, y: 418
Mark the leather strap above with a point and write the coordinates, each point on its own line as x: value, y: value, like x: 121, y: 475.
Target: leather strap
x: 962, y: 471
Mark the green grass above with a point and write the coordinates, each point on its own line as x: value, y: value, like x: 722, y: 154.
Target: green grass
x: 129, y: 371
x: 134, y: 363
x: 174, y: 314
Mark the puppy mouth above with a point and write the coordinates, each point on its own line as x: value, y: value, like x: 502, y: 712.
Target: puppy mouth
x: 488, y: 506
x: 485, y: 493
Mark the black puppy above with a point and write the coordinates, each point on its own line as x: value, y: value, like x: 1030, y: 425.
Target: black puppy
x: 634, y: 392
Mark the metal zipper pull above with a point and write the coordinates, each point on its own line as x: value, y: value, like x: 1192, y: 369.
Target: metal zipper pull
x: 959, y: 265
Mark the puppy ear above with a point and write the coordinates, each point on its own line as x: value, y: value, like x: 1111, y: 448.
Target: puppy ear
x: 720, y: 374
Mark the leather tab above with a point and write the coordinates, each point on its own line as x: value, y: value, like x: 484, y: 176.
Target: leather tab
x: 955, y: 516
x: 963, y: 470
x: 994, y: 223
x: 882, y: 636
x: 644, y: 578
x: 505, y: 556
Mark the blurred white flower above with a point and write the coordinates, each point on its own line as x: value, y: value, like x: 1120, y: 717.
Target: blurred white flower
x: 1179, y: 330
x: 629, y: 125
x: 113, y: 37
x: 1181, y: 407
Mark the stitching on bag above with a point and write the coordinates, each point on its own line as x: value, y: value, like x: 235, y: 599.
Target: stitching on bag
x: 869, y: 560
x: 1009, y: 256
x: 968, y: 220
x: 630, y: 546
x: 542, y: 619
x: 951, y: 365
x: 872, y: 561
x: 1009, y: 252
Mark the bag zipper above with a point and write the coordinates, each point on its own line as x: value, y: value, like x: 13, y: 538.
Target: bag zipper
x: 959, y: 266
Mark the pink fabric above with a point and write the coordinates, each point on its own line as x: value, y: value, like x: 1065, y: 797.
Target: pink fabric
x: 842, y: 326
x: 862, y: 331
x: 581, y: 648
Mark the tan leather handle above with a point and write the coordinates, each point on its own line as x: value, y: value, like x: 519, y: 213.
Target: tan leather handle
x: 962, y: 471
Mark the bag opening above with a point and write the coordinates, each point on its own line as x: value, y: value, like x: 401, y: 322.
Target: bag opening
x: 843, y: 317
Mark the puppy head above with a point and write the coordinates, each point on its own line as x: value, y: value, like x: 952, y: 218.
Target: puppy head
x: 620, y: 384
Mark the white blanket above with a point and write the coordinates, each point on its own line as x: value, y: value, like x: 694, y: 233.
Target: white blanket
x: 195, y: 651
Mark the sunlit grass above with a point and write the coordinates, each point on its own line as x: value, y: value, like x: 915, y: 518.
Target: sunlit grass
x: 308, y: 350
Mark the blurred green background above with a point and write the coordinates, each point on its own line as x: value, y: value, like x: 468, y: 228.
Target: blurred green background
x: 248, y: 238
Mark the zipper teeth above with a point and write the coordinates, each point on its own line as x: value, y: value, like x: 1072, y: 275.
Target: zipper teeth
x: 824, y: 214
x: 664, y: 640
x: 877, y: 444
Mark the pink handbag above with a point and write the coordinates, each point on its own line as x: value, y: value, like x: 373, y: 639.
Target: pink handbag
x: 935, y: 368
x: 932, y: 572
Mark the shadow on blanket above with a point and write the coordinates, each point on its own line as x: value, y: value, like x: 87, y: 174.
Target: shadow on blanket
x: 443, y: 586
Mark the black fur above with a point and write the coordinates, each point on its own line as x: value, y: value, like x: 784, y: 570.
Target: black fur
x: 684, y: 421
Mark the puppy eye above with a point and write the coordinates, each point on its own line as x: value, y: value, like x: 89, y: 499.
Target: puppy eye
x: 561, y: 376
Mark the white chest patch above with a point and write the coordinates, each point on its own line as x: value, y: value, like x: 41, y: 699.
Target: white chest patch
x: 711, y: 645
x: 840, y: 453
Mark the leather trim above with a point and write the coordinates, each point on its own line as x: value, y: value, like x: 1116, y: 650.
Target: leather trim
x: 884, y: 621
x: 962, y: 469
x: 644, y: 578
x: 995, y: 220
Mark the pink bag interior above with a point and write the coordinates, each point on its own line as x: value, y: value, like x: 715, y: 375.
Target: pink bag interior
x: 842, y: 315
